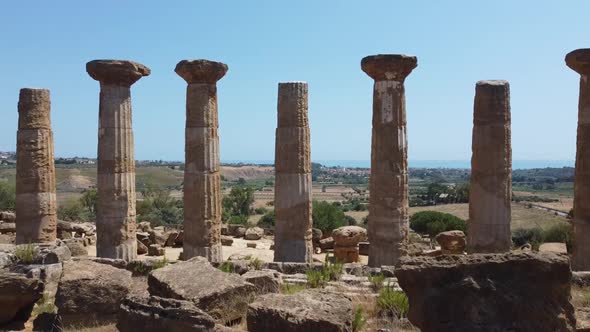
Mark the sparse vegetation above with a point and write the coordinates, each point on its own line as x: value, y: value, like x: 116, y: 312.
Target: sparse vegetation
x: 267, y: 220
x: 329, y: 272
x: 359, y: 320
x: 26, y: 253
x: 391, y: 302
x: 561, y: 232
x: 315, y: 279
x: 256, y: 263
x: 236, y: 205
x: 227, y: 267
x: 159, y: 207
x: 45, y: 304
x: 376, y: 281
x: 289, y: 289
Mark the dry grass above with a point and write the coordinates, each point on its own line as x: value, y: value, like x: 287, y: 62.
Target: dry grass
x: 103, y: 328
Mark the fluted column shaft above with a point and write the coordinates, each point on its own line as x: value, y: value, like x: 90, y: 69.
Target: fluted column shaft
x: 491, y: 170
x: 116, y: 214
x: 293, y: 176
x: 579, y: 61
x: 388, y: 183
x: 115, y: 220
x: 35, y: 172
x: 202, y: 177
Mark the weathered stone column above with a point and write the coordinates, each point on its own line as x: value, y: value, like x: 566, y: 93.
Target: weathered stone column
x: 491, y: 170
x: 293, y: 176
x: 202, y: 177
x: 115, y: 219
x: 388, y: 184
x: 35, y: 170
x: 579, y: 61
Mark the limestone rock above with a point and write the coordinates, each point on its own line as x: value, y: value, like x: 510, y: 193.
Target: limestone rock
x: 158, y: 236
x: 143, y: 237
x: 18, y: 295
x: 226, y: 240
x: 171, y: 240
x: 51, y: 254
x: 144, y: 226
x: 267, y: 281
x: 349, y: 236
x: 254, y: 233
x: 519, y: 291
x: 76, y: 247
x: 309, y: 310
x: 47, y: 322
x: 7, y: 227
x: 91, y: 292
x: 141, y: 248
x: 364, y: 248
x: 327, y: 243
x: 155, y: 314
x: 222, y: 295
x: 451, y: 242
x: 7, y: 216
x: 251, y: 245
x: 155, y: 250
x: 239, y: 231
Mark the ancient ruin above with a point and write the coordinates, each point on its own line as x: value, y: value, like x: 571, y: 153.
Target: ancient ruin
x: 35, y: 173
x: 293, y: 176
x: 388, y: 202
x: 115, y: 219
x: 202, y: 178
x: 579, y: 61
x: 491, y: 170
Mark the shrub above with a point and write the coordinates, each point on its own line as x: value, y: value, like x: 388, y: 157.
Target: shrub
x: 433, y: 222
x: 238, y: 220
x: 261, y: 210
x: 25, y: 253
x: 394, y: 303
x: 359, y: 321
x: 256, y: 263
x: 350, y: 221
x: 7, y: 197
x: 227, y: 267
x: 267, y: 220
x: 327, y: 217
x: 522, y: 236
x: 561, y: 232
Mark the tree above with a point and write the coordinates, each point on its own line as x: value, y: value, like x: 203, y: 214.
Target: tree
x: 327, y: 217
x: 238, y: 202
x: 89, y: 200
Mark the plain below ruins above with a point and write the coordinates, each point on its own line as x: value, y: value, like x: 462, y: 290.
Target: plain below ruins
x: 51, y: 280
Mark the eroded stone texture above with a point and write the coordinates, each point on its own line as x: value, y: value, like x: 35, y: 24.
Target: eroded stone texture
x: 346, y: 243
x: 35, y: 172
x: 579, y: 61
x: 115, y: 219
x: 293, y: 233
x: 388, y: 185
x: 202, y: 178
x: 491, y: 170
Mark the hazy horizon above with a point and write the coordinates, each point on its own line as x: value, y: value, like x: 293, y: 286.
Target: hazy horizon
x: 456, y: 44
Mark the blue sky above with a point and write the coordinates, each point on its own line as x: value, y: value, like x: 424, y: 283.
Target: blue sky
x: 47, y: 43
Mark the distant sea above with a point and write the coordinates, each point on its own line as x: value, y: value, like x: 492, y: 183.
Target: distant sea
x: 516, y: 164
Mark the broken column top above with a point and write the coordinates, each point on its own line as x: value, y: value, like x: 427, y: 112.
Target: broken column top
x: 201, y: 71
x: 389, y: 67
x: 117, y: 72
x: 492, y: 83
x: 292, y: 104
x: 34, y: 107
x: 579, y: 60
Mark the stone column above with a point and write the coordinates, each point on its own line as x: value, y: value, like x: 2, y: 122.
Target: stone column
x: 293, y: 176
x: 115, y: 219
x: 35, y: 170
x: 491, y: 170
x: 388, y: 184
x: 579, y: 61
x: 202, y: 178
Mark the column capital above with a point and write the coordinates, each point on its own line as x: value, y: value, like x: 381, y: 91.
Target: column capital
x: 117, y: 72
x: 389, y: 67
x: 201, y: 71
x: 579, y: 61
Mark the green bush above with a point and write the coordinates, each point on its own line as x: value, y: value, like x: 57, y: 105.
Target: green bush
x: 522, y: 236
x: 327, y: 217
x: 267, y: 220
x: 315, y: 279
x: 376, y: 281
x: 7, y: 197
x: 562, y: 232
x: 393, y: 303
x: 433, y: 222
x: 159, y: 207
x: 261, y: 210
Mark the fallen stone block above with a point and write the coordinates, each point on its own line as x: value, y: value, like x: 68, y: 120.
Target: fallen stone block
x: 18, y: 295
x: 267, y: 281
